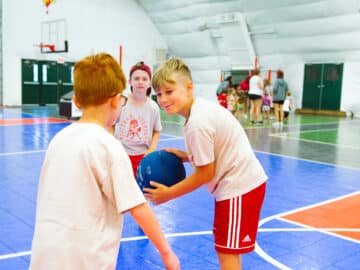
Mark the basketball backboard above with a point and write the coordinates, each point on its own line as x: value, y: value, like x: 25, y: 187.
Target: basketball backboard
x: 54, y: 37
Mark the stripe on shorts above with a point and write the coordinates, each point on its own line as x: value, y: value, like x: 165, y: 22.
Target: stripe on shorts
x: 233, y: 239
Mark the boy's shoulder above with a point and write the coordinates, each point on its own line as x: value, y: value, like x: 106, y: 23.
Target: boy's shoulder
x: 203, y: 109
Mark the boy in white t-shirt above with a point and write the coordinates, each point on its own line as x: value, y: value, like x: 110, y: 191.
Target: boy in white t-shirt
x: 86, y: 182
x: 138, y: 127
x: 223, y: 161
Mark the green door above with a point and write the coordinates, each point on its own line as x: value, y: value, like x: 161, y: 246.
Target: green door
x: 49, y: 82
x: 322, y: 86
x: 332, y: 80
x: 65, y: 78
x: 312, y: 86
x: 30, y: 74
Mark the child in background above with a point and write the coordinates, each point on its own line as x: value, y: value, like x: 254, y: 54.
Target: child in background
x: 240, y: 106
x: 256, y: 92
x: 266, y: 102
x: 231, y: 100
x: 138, y: 126
x: 222, y: 158
x: 86, y: 182
x: 288, y: 104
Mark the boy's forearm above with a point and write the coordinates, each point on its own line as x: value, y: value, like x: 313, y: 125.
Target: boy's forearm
x: 197, y: 178
x: 146, y: 219
x: 154, y: 141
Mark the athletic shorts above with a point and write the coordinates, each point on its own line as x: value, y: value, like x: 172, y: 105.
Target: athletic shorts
x: 254, y: 97
x: 135, y: 160
x: 281, y: 102
x: 236, y: 222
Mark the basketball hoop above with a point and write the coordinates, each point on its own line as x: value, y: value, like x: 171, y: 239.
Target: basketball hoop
x: 50, y: 47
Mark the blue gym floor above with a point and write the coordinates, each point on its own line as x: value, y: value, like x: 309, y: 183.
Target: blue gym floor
x: 310, y: 218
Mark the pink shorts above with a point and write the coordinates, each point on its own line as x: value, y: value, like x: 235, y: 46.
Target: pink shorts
x: 236, y: 222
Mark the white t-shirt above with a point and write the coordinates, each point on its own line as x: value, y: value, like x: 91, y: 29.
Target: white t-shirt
x: 212, y: 133
x: 86, y: 183
x: 287, y: 104
x: 254, y: 86
x: 136, y: 125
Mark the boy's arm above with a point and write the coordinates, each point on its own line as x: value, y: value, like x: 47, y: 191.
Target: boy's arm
x: 154, y: 142
x: 146, y: 219
x: 161, y: 193
x: 179, y: 153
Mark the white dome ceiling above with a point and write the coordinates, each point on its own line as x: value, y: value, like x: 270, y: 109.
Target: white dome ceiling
x: 228, y: 34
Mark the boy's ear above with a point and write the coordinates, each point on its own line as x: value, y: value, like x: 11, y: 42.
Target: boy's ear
x: 114, y: 101
x: 189, y: 85
x: 77, y: 104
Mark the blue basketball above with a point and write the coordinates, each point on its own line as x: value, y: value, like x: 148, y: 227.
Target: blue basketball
x: 162, y: 167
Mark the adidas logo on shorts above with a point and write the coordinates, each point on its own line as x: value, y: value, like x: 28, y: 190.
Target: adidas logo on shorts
x: 246, y: 239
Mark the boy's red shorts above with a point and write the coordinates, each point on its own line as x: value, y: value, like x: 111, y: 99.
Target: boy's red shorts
x: 236, y: 222
x: 135, y: 160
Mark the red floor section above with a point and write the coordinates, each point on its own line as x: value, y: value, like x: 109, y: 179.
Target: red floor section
x: 26, y: 121
x: 340, y: 214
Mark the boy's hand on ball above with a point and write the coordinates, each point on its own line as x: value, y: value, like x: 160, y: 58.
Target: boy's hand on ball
x: 157, y: 195
x: 179, y: 153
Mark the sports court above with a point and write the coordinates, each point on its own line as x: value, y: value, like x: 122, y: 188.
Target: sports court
x: 310, y: 218
x: 311, y: 214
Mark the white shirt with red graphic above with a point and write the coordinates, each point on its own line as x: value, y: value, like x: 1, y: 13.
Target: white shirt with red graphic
x: 136, y: 125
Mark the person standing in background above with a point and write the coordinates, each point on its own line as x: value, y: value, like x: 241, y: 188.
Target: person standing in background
x: 279, y: 94
x: 138, y: 126
x: 255, y: 95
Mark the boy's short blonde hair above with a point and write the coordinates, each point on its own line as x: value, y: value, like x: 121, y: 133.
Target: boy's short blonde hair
x: 97, y: 78
x: 166, y: 71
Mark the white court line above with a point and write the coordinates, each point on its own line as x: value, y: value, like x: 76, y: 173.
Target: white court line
x: 309, y: 229
x: 125, y: 239
x: 308, y: 160
x: 284, y: 135
x: 329, y: 231
x: 171, y: 139
x: 309, y: 131
x: 22, y: 153
x: 42, y: 151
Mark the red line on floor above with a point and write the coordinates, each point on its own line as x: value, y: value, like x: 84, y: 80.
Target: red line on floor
x: 25, y: 121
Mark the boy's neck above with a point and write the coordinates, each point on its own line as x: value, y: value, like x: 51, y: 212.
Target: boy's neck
x: 94, y: 115
x: 187, y: 110
x: 137, y: 100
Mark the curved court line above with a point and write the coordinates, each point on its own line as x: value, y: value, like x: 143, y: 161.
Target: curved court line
x: 270, y: 259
